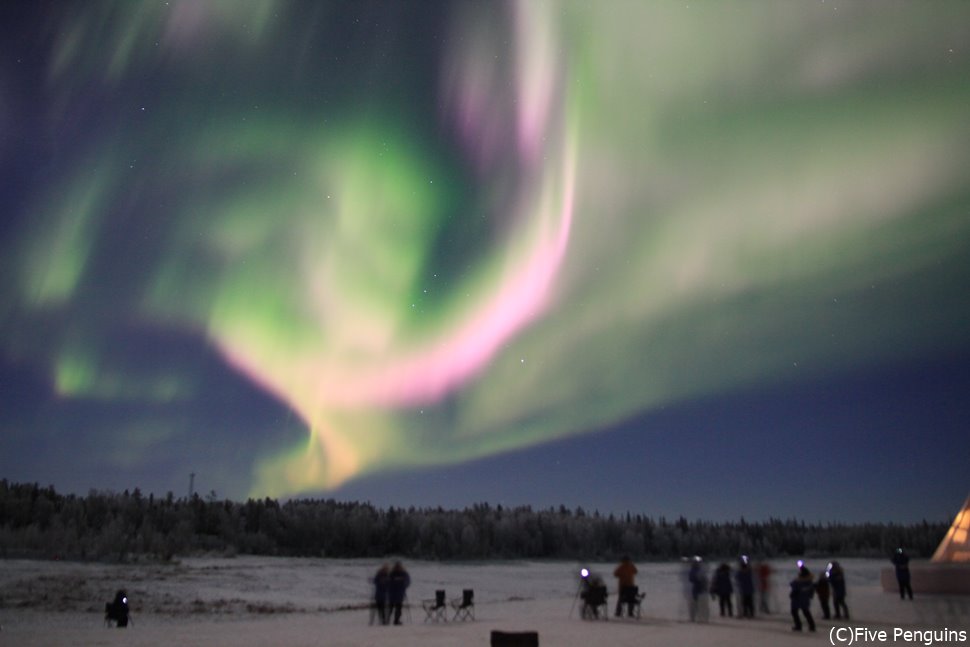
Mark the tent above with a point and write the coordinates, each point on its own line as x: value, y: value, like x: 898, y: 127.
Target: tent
x: 955, y: 546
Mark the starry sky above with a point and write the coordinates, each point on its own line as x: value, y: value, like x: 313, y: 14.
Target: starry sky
x: 700, y: 258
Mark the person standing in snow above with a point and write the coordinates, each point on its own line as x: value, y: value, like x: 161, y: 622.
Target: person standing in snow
x: 764, y: 586
x: 625, y: 574
x: 745, y: 581
x: 802, y: 591
x: 398, y: 582
x: 380, y: 594
x: 697, y: 588
x: 837, y: 580
x: 901, y: 562
x: 723, y: 588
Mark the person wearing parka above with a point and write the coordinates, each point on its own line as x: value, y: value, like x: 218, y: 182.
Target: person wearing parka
x: 802, y: 591
x: 380, y: 593
x: 901, y: 563
x: 697, y: 581
x: 398, y: 582
x: 745, y: 581
x: 723, y: 589
x: 625, y: 574
x: 837, y: 580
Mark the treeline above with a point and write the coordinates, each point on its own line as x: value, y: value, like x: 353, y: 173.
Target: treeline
x: 38, y: 522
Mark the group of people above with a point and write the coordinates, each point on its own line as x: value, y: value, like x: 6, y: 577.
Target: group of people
x: 723, y: 588
x: 391, y: 584
x: 593, y: 591
x: 390, y: 590
x: 746, y: 581
x: 830, y: 585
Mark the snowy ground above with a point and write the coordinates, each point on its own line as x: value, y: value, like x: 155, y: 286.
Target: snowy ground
x: 280, y: 601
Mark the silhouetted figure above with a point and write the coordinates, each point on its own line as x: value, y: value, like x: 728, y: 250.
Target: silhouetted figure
x: 764, y: 586
x: 398, y: 582
x: 625, y: 574
x: 802, y: 590
x: 823, y: 592
x: 380, y: 593
x: 594, y: 596
x: 723, y: 589
x: 697, y: 582
x: 837, y: 580
x: 901, y: 562
x: 117, y: 610
x: 687, y: 586
x: 745, y: 581
x: 697, y: 577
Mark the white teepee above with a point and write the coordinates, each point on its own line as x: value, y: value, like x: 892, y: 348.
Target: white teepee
x: 955, y: 547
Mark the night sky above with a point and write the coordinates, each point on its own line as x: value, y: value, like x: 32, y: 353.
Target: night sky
x: 699, y: 258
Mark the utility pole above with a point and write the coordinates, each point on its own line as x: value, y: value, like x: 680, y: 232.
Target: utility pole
x: 191, y: 485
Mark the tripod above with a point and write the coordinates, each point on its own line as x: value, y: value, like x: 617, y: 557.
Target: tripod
x: 583, y: 583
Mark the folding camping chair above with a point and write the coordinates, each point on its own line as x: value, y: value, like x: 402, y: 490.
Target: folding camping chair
x: 436, y: 609
x: 464, y: 606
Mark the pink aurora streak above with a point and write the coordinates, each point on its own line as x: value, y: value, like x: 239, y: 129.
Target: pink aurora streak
x: 314, y: 384
x: 427, y: 375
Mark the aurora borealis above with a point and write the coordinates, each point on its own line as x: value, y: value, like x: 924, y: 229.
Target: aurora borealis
x: 294, y: 246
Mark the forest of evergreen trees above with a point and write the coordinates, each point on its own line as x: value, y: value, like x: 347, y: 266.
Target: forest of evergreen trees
x: 38, y: 522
